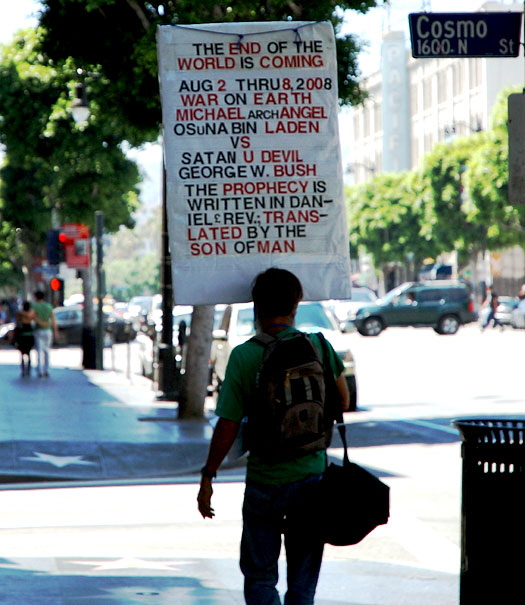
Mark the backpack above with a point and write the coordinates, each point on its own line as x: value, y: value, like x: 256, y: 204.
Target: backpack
x: 289, y: 416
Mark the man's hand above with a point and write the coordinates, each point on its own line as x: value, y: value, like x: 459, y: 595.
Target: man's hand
x: 204, y: 499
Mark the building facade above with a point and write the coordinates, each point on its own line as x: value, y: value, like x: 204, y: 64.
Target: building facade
x: 414, y: 104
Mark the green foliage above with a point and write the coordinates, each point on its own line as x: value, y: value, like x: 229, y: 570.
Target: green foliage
x: 487, y: 182
x: 11, y: 256
x: 386, y: 219
x: 117, y: 39
x: 52, y: 164
x: 133, y: 276
x: 457, y: 201
x: 445, y: 197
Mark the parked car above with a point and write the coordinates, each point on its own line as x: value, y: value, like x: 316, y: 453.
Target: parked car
x: 70, y: 324
x: 346, y: 310
x: 139, y: 308
x: 442, y: 305
x: 237, y: 325
x: 518, y: 315
x: 149, y: 339
x: 506, y: 305
x: 7, y: 332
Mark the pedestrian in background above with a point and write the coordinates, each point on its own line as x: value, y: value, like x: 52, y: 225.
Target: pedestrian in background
x: 280, y: 496
x: 46, y: 327
x: 491, y: 301
x: 24, y: 337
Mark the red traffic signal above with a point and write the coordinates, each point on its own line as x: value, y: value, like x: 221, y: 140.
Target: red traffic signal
x: 62, y: 238
x: 56, y: 284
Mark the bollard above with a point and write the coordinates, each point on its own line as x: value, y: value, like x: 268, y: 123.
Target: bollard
x: 492, y: 510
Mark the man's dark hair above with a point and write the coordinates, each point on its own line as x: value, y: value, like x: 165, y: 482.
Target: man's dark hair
x: 39, y: 295
x: 275, y: 293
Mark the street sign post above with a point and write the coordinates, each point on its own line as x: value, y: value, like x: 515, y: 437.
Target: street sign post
x: 516, y: 108
x: 463, y: 35
x: 75, y: 239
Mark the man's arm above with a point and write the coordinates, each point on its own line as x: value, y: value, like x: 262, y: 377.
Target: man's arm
x: 221, y: 442
x: 344, y: 393
x: 54, y: 325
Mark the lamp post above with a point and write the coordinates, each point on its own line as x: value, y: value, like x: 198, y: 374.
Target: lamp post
x: 369, y: 169
x: 450, y: 131
x: 168, y: 388
x: 99, y: 230
x: 92, y: 341
x: 80, y: 105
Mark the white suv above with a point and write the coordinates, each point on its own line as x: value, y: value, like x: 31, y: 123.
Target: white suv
x: 237, y: 325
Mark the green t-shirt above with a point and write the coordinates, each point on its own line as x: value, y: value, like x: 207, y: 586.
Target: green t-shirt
x: 44, y: 312
x: 239, y: 385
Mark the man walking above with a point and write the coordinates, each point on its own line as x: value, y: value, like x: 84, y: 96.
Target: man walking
x: 45, y: 328
x: 280, y: 494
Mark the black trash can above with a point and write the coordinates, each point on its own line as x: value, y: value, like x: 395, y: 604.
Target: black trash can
x: 492, y: 511
x: 168, y: 375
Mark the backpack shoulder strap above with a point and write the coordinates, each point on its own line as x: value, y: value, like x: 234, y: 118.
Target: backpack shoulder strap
x: 263, y: 339
x: 332, y: 392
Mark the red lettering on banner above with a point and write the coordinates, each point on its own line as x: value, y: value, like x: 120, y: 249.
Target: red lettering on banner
x: 214, y: 233
x: 268, y: 187
x: 260, y: 98
x: 201, y: 63
x: 280, y: 155
x: 275, y: 247
x: 249, y: 48
x: 193, y: 100
x: 299, y: 216
x: 207, y: 249
x: 281, y: 170
x: 292, y: 127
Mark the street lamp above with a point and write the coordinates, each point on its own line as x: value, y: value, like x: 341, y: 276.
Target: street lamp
x: 80, y: 106
x: 368, y: 168
x: 451, y: 130
x: 92, y: 342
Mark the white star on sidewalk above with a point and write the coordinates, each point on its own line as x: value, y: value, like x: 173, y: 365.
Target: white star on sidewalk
x: 58, y: 461
x: 132, y: 563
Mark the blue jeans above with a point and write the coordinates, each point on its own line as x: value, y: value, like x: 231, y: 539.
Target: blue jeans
x: 43, y: 340
x: 268, y: 512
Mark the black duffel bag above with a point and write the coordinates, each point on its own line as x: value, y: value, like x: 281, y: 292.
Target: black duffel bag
x: 353, y: 501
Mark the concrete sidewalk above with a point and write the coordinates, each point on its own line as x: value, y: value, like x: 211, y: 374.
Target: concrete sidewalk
x: 91, y: 426
x: 128, y: 543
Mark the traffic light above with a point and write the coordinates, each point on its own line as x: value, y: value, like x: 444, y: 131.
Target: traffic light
x: 55, y: 247
x: 56, y: 285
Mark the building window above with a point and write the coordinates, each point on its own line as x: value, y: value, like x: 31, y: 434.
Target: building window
x: 414, y: 105
x: 427, y: 94
x: 442, y: 91
x: 458, y: 82
x: 378, y: 122
x: 475, y: 72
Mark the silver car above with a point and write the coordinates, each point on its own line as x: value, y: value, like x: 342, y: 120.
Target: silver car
x: 237, y: 326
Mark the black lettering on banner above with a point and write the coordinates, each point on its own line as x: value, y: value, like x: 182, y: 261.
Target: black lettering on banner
x: 247, y: 117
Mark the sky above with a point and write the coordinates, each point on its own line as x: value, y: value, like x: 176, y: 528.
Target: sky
x: 16, y: 14
x: 377, y: 21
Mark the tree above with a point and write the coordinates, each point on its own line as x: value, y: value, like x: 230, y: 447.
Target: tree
x: 446, y: 198
x: 386, y: 219
x: 487, y: 182
x: 133, y: 276
x: 11, y: 257
x: 124, y: 51
x: 54, y: 170
x: 117, y: 38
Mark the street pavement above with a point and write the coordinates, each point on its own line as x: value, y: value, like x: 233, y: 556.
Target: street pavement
x: 91, y: 426
x: 129, y: 532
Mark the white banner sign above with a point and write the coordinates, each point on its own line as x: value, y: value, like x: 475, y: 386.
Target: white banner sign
x: 254, y: 176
